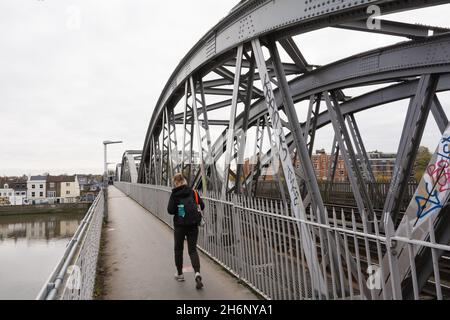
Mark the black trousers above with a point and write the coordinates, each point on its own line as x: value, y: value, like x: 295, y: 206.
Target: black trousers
x: 191, y: 234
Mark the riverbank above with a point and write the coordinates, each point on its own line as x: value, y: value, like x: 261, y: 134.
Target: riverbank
x: 45, y: 208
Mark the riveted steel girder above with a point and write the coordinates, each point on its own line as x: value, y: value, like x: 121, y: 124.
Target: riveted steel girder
x: 278, y: 18
x: 348, y: 72
x: 417, y: 69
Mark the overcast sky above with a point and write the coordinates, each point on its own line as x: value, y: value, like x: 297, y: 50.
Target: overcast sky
x: 74, y: 73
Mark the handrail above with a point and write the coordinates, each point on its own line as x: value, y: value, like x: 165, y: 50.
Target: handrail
x: 51, y: 286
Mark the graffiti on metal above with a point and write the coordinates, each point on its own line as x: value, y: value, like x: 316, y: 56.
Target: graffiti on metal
x: 278, y: 139
x: 434, y: 187
x: 432, y: 193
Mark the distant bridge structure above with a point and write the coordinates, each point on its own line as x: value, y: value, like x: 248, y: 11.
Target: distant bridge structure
x: 129, y: 167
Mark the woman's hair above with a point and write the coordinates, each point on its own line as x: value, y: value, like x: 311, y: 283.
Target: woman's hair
x: 179, y: 180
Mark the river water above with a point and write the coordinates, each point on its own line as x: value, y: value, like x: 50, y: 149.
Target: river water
x: 30, y: 247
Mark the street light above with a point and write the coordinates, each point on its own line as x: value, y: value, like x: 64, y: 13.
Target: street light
x: 105, y: 173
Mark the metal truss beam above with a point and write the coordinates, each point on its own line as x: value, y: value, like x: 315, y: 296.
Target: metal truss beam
x: 311, y: 122
x: 334, y: 157
x: 225, y: 73
x: 211, y: 107
x: 157, y: 160
x: 366, y: 101
x: 288, y: 170
x: 187, y: 138
x: 340, y: 79
x: 231, y: 127
x: 166, y: 160
x: 361, y: 153
x: 439, y: 114
x: 242, y: 141
x: 294, y: 53
x: 255, y: 160
x: 348, y: 154
x: 413, y: 128
x: 370, y: 68
x: 294, y: 17
x: 394, y: 28
x: 290, y: 68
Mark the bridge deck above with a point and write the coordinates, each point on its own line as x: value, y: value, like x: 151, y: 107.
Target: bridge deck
x: 139, y: 258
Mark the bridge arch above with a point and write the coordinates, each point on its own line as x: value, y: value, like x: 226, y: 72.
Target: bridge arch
x: 251, y: 58
x: 129, y: 166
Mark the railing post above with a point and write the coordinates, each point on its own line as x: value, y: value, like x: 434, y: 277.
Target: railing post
x: 236, y: 214
x: 392, y: 258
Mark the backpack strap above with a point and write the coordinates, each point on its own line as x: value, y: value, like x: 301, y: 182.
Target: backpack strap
x: 196, y: 196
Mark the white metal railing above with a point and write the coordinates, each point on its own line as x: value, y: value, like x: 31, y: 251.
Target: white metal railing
x: 258, y: 241
x: 74, y: 276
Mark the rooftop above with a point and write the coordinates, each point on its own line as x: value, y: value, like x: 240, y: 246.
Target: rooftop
x: 61, y: 179
x: 38, y: 178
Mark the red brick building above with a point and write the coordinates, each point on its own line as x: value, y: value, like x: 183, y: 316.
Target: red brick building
x: 321, y: 162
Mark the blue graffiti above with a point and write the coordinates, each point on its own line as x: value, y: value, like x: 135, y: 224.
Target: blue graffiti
x: 447, y: 139
x: 431, y: 201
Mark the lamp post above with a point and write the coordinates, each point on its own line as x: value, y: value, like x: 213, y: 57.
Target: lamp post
x: 105, y: 172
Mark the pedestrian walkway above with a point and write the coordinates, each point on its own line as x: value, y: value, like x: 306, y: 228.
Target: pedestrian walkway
x: 139, y: 259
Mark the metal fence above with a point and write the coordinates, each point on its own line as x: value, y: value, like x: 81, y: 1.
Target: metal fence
x: 258, y: 241
x: 340, y: 193
x: 74, y: 276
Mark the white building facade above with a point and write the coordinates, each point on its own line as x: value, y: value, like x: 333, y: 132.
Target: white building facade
x: 36, y: 189
x: 7, y: 196
x: 70, y: 189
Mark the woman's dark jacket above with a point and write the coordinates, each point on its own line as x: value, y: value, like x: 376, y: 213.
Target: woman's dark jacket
x: 183, y: 194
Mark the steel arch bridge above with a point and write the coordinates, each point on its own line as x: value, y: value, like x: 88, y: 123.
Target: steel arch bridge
x: 247, y: 79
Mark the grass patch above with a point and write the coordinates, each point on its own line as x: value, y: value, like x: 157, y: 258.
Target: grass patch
x: 102, y: 270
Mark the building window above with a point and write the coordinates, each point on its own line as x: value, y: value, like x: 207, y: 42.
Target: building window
x: 67, y: 184
x: 33, y: 194
x: 67, y: 192
x: 41, y: 194
x: 33, y: 186
x: 52, y: 184
x: 41, y: 186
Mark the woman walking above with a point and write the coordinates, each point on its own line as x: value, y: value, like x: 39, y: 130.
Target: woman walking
x: 184, y: 205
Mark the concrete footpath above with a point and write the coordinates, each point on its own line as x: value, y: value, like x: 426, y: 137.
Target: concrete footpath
x: 139, y: 260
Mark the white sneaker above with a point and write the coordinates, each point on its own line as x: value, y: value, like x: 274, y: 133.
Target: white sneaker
x: 179, y: 277
x: 198, y: 280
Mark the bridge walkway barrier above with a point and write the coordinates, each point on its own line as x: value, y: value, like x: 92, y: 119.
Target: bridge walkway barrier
x: 140, y: 264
